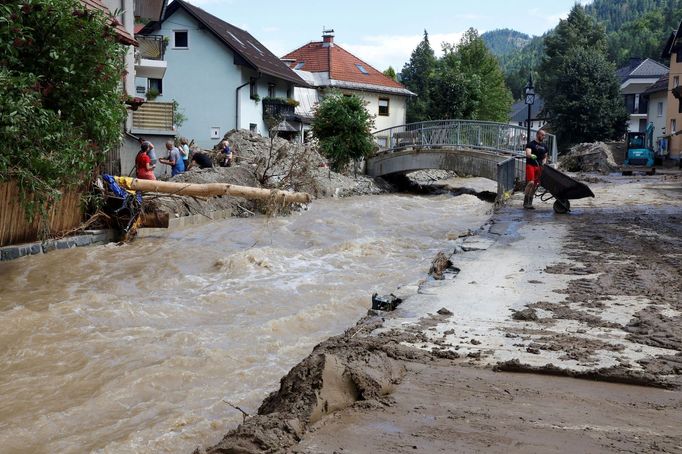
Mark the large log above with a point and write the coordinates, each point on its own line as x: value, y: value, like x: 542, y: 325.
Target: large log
x: 212, y: 189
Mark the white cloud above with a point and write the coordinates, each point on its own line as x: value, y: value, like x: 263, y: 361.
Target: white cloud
x: 382, y: 51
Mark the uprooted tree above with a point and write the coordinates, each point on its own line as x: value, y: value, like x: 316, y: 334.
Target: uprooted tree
x: 343, y: 126
x: 61, y: 106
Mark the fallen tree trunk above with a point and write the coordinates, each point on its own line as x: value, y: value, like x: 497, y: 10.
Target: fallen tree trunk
x: 212, y: 189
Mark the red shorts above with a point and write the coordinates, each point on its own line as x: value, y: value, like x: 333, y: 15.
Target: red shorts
x: 533, y: 173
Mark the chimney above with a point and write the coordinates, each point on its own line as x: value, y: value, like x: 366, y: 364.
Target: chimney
x: 328, y: 38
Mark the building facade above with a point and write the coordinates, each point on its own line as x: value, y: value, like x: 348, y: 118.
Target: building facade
x: 635, y: 78
x: 218, y: 75
x: 673, y: 52
x: 327, y: 66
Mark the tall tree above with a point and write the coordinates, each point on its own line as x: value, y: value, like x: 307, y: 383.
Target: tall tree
x: 481, y: 67
x: 579, y: 84
x: 416, y: 76
x: 390, y: 72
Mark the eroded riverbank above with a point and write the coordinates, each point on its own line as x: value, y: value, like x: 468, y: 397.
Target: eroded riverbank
x: 601, y: 292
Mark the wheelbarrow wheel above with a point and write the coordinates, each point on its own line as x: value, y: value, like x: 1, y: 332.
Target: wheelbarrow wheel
x: 562, y: 206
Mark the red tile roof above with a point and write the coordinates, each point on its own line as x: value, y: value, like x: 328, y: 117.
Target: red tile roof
x: 341, y: 64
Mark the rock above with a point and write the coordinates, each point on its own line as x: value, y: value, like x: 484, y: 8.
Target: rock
x: 444, y: 311
x: 525, y: 315
x: 589, y: 157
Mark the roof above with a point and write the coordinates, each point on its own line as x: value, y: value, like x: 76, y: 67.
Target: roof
x: 638, y: 68
x: 519, y: 110
x: 150, y: 9
x: 672, y: 44
x: 123, y: 36
x: 254, y: 54
x: 343, y: 69
x: 660, y: 85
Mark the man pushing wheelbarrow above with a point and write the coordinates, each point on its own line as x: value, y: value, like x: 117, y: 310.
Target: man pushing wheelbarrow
x: 536, y: 157
x: 556, y: 184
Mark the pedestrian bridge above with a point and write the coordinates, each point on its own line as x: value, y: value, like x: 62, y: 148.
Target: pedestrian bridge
x: 483, y: 149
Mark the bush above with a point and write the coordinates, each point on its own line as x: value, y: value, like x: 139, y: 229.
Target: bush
x: 61, y: 105
x: 343, y: 127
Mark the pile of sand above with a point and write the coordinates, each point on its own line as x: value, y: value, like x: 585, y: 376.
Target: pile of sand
x: 589, y: 157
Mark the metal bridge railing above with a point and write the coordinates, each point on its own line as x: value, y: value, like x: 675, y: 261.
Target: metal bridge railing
x: 496, y: 137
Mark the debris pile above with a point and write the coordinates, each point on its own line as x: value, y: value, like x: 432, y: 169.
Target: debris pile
x: 589, y: 157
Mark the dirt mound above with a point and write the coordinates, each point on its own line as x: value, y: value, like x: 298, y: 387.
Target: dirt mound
x: 589, y: 157
x: 338, y: 373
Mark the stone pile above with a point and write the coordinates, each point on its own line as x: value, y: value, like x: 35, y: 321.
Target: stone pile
x: 589, y: 157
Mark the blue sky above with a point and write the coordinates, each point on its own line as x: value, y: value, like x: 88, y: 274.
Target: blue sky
x: 382, y: 32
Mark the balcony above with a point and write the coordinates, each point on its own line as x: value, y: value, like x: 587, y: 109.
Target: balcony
x: 278, y: 108
x: 153, y: 118
x: 149, y: 55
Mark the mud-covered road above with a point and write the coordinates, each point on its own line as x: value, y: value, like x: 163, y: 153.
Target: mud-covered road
x: 594, y: 295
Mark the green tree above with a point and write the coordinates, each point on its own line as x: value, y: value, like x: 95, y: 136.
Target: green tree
x: 343, y: 126
x: 60, y: 100
x: 579, y: 84
x: 416, y: 75
x: 481, y: 67
x: 390, y: 72
x: 589, y: 106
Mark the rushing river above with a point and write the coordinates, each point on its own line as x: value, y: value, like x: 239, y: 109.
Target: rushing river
x: 135, y: 348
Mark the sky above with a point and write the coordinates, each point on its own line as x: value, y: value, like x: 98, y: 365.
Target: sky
x: 383, y: 33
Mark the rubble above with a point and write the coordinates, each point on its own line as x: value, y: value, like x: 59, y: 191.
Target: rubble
x: 589, y: 157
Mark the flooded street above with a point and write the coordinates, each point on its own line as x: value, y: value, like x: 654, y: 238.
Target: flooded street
x: 134, y: 348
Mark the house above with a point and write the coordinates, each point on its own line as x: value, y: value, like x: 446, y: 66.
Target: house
x: 325, y: 65
x: 220, y: 76
x: 635, y: 78
x: 657, y: 99
x: 518, y: 114
x: 672, y: 52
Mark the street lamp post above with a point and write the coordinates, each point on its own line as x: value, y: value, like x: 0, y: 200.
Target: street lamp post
x: 530, y: 100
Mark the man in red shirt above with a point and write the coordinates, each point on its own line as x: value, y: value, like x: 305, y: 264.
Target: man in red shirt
x: 536, y: 157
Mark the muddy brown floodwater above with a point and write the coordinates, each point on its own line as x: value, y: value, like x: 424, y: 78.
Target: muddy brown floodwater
x: 135, y: 348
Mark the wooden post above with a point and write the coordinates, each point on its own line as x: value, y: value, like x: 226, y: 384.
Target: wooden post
x: 212, y: 189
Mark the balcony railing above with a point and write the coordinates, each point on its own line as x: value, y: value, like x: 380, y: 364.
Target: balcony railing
x: 151, y: 47
x: 157, y: 116
x: 278, y: 108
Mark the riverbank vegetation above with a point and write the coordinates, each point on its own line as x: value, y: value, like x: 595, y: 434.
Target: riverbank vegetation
x: 60, y: 99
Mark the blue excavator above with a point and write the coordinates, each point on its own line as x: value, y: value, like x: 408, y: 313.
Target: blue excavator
x: 640, y: 152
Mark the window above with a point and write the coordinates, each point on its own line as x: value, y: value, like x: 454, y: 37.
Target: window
x: 383, y: 107
x: 679, y: 107
x: 299, y: 65
x: 659, y: 109
x: 155, y: 86
x: 361, y: 69
x: 673, y: 126
x: 140, y: 90
x: 678, y: 57
x: 253, y: 89
x: 271, y: 90
x: 253, y: 127
x: 215, y: 132
x: 180, y: 39
x: 676, y: 81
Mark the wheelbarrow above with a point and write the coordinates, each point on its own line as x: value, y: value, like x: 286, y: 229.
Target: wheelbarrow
x: 561, y: 187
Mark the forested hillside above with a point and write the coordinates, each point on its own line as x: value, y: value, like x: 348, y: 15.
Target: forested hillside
x: 634, y: 28
x: 504, y: 41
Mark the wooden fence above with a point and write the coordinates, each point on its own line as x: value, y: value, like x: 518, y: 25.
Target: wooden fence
x: 64, y: 215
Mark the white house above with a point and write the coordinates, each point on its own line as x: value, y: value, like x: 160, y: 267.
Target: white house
x: 325, y: 65
x: 635, y: 78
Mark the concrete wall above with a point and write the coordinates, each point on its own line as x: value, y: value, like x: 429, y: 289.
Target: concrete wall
x: 660, y: 127
x: 675, y: 143
x: 397, y: 108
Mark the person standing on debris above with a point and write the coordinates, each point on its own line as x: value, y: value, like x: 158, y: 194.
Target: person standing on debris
x: 226, y: 159
x: 174, y: 159
x: 536, y: 157
x: 143, y: 164
x: 150, y: 151
x: 184, y: 151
